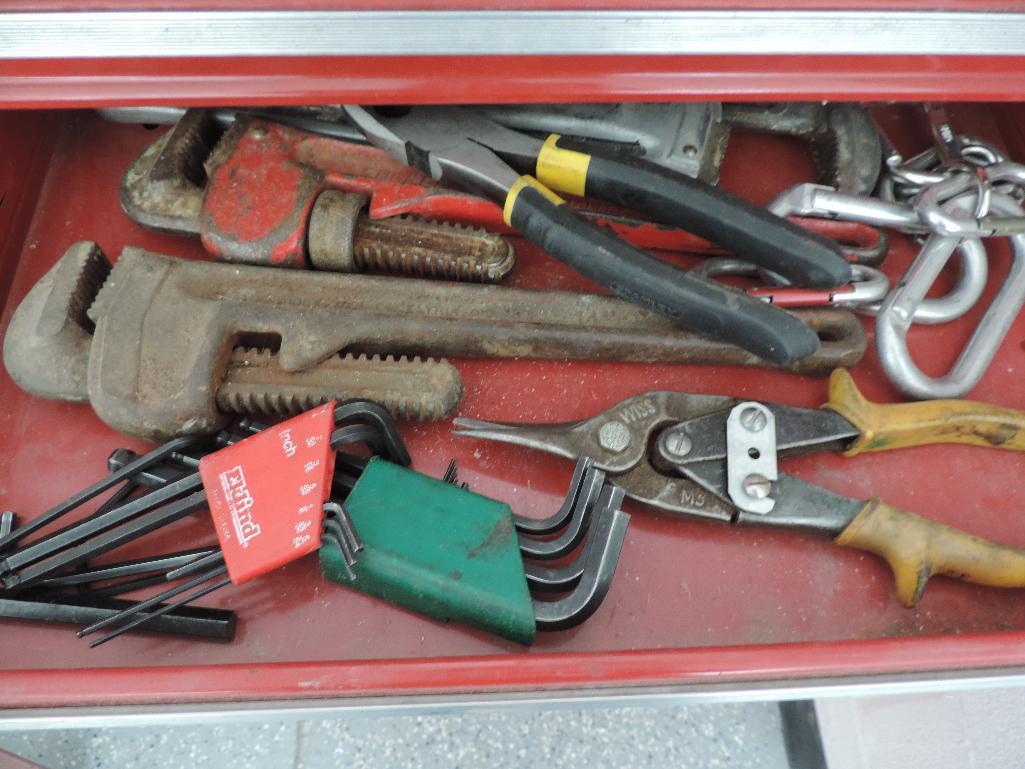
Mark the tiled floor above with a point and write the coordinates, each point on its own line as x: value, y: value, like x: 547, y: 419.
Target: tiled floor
x: 966, y: 730
x: 699, y: 736
x: 955, y: 730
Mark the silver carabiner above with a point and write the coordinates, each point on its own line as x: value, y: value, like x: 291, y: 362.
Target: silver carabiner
x: 827, y: 203
x: 907, y: 178
x: 971, y: 282
x: 980, y: 224
x: 868, y: 285
x: 819, y: 200
x: 896, y: 314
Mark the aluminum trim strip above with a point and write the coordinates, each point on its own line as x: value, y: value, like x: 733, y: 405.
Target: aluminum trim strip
x: 145, y: 34
x: 190, y: 714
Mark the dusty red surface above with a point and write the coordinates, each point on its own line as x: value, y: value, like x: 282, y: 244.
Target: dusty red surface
x: 685, y: 590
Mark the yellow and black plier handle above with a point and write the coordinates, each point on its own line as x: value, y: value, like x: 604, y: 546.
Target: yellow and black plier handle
x: 572, y: 167
x: 464, y: 147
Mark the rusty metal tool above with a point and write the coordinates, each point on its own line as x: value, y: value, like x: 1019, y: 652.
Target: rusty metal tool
x: 164, y: 331
x: 716, y: 457
x: 466, y: 148
x: 264, y: 193
x: 50, y: 344
x: 843, y: 138
x: 157, y: 190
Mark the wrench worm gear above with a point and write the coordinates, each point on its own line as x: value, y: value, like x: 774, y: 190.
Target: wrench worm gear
x: 342, y: 238
x: 410, y: 388
x: 199, y: 179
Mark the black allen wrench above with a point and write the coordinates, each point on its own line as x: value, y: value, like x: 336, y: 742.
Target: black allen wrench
x: 591, y: 508
x: 46, y: 562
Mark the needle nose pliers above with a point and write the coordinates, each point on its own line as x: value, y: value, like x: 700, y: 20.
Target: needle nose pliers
x: 675, y: 450
x: 463, y: 146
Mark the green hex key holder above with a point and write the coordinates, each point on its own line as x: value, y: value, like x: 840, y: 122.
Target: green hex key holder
x: 438, y: 549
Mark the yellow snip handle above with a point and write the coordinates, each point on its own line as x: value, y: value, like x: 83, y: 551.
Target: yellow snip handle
x: 900, y: 425
x: 917, y: 548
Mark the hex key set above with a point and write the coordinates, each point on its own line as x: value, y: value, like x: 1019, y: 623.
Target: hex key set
x: 38, y: 574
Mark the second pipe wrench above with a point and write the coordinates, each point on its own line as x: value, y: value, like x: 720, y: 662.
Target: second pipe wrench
x: 464, y: 147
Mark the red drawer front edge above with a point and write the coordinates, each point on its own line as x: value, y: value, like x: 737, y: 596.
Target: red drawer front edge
x: 419, y: 79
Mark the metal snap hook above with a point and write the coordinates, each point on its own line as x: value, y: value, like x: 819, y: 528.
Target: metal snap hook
x: 929, y: 204
x: 896, y: 314
x: 825, y: 202
x: 971, y: 282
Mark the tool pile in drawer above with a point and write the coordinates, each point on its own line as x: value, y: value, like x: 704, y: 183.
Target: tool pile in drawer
x: 352, y: 256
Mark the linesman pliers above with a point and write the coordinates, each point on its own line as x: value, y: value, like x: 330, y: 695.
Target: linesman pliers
x: 715, y: 457
x: 462, y: 146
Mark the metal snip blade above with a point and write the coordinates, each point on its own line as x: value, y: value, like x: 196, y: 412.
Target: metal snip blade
x: 798, y: 431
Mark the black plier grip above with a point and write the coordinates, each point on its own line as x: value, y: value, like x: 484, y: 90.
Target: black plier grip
x: 465, y: 147
x: 638, y: 277
x: 751, y: 232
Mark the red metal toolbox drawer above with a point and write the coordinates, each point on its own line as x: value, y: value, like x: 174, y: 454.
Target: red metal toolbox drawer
x: 693, y: 603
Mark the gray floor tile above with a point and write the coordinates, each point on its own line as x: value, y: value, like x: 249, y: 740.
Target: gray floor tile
x: 735, y: 736
x: 219, y: 747
x: 952, y: 730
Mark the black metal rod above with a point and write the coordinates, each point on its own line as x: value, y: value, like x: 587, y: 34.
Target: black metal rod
x: 8, y: 520
x: 556, y: 521
x: 348, y: 558
x: 600, y: 567
x: 142, y: 525
x: 348, y: 469
x: 125, y: 586
x: 142, y: 606
x: 175, y: 467
x: 131, y: 568
x: 336, y: 510
x: 159, y: 612
x: 375, y: 416
x: 189, y: 621
x: 214, y: 557
x: 350, y: 434
x: 91, y: 527
x: 97, y: 488
x: 575, y: 530
x: 154, y: 475
x: 334, y: 529
x: 116, y: 498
